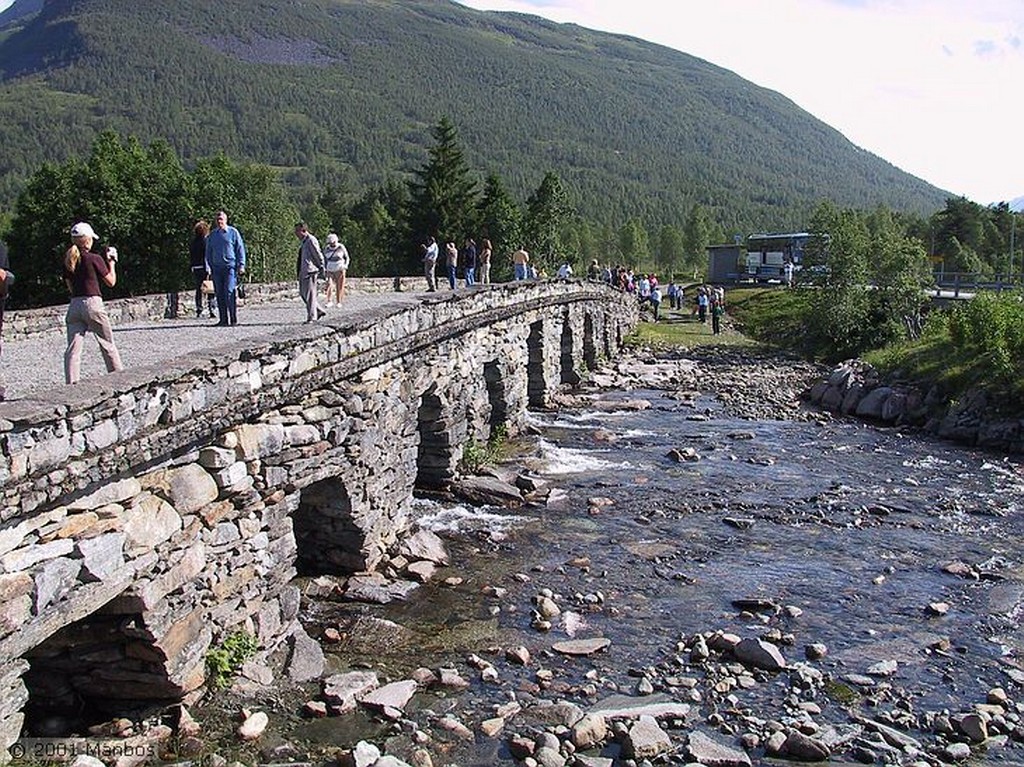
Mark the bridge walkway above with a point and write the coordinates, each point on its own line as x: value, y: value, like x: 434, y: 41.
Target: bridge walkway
x: 36, y: 363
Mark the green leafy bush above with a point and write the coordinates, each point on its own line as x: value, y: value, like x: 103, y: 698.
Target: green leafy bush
x: 476, y: 455
x: 991, y: 327
x: 223, y: 662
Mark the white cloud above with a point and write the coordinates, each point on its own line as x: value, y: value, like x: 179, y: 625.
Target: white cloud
x: 930, y: 85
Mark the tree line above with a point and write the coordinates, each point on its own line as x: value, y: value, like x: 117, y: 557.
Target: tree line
x: 634, y: 130
x: 144, y: 201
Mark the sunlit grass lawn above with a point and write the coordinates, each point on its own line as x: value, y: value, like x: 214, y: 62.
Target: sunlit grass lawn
x: 679, y: 328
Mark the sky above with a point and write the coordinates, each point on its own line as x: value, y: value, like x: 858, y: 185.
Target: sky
x: 935, y: 87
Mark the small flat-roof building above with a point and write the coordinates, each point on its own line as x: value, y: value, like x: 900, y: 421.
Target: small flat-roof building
x: 724, y: 264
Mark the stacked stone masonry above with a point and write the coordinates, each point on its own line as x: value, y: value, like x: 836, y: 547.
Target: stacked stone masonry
x: 141, y: 523
x: 855, y: 388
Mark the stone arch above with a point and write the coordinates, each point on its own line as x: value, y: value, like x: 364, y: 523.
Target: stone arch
x: 536, y: 383
x: 496, y: 397
x: 112, y: 664
x: 566, y: 358
x: 589, y: 346
x: 435, y: 458
x: 328, y: 536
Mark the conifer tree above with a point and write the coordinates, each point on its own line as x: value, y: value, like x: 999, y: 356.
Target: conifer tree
x: 501, y: 222
x: 443, y: 193
x: 547, y: 212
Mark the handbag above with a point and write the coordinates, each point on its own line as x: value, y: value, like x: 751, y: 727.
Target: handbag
x: 207, y: 288
x: 240, y: 290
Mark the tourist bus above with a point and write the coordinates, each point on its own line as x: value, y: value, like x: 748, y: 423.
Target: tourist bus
x: 767, y: 254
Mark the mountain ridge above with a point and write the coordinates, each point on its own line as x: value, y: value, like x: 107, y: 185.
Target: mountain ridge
x: 344, y: 91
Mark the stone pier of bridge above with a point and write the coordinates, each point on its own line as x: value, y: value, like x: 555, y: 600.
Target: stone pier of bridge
x: 148, y: 514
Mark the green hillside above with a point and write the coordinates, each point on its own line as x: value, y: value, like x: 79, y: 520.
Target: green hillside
x: 345, y: 92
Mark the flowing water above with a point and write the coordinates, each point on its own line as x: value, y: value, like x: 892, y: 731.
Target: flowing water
x: 850, y: 523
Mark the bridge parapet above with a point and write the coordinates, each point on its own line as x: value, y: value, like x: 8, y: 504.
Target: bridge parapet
x: 153, y: 510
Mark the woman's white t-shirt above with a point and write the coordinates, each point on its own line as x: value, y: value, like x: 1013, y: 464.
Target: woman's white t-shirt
x: 336, y: 258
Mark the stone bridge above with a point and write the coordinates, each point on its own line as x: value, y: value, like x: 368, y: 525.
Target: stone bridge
x: 147, y: 514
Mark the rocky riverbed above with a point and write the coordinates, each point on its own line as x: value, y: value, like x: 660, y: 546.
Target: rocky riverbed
x: 685, y: 565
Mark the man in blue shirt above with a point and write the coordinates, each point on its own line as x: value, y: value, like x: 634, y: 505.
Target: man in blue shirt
x: 225, y: 262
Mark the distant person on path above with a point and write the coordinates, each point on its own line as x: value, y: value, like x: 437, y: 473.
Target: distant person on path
x: 643, y: 289
x: 594, y: 271
x: 308, y: 265
x: 520, y: 259
x: 469, y: 262
x: 656, y: 300
x: 84, y: 270
x: 717, y: 310
x: 485, y: 262
x: 336, y: 257
x: 225, y: 261
x: 197, y: 263
x: 6, y: 280
x: 451, y: 254
x: 787, y: 273
x: 564, y: 271
x: 702, y: 304
x: 430, y: 263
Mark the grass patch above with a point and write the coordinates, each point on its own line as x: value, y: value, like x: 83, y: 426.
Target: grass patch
x: 679, y: 328
x: 773, y: 316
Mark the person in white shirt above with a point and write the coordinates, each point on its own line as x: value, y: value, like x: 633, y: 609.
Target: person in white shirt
x: 643, y: 289
x: 430, y: 263
x: 336, y: 258
x: 564, y: 271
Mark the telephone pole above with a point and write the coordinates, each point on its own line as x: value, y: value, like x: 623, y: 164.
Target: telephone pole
x: 1013, y: 231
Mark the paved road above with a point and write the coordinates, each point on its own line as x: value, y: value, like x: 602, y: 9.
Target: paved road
x: 37, y: 363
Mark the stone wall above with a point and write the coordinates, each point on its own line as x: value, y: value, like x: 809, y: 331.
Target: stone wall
x: 140, y: 524
x: 50, y: 319
x: 855, y: 388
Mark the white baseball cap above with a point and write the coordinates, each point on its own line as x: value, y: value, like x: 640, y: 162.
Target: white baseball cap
x: 82, y: 229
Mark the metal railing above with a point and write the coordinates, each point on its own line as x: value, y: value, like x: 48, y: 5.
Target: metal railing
x: 958, y: 283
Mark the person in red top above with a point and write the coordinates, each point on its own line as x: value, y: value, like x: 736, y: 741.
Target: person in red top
x: 84, y: 270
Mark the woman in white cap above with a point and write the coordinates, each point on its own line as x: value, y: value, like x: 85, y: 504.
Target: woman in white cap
x: 84, y: 270
x: 336, y: 257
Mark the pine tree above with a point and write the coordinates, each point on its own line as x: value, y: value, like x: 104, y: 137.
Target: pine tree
x: 501, y: 222
x: 547, y: 213
x: 443, y: 194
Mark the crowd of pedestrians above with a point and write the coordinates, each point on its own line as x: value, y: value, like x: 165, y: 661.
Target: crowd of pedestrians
x: 474, y: 263
x: 217, y: 264
x: 708, y: 301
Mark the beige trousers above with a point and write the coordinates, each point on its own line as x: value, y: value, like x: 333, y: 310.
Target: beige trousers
x: 84, y: 315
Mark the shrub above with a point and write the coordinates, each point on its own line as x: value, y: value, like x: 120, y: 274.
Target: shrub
x: 223, y: 662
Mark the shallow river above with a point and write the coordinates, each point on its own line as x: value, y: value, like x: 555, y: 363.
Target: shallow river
x: 841, y: 528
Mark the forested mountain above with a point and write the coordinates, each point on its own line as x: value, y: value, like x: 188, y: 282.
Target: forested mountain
x: 344, y: 92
